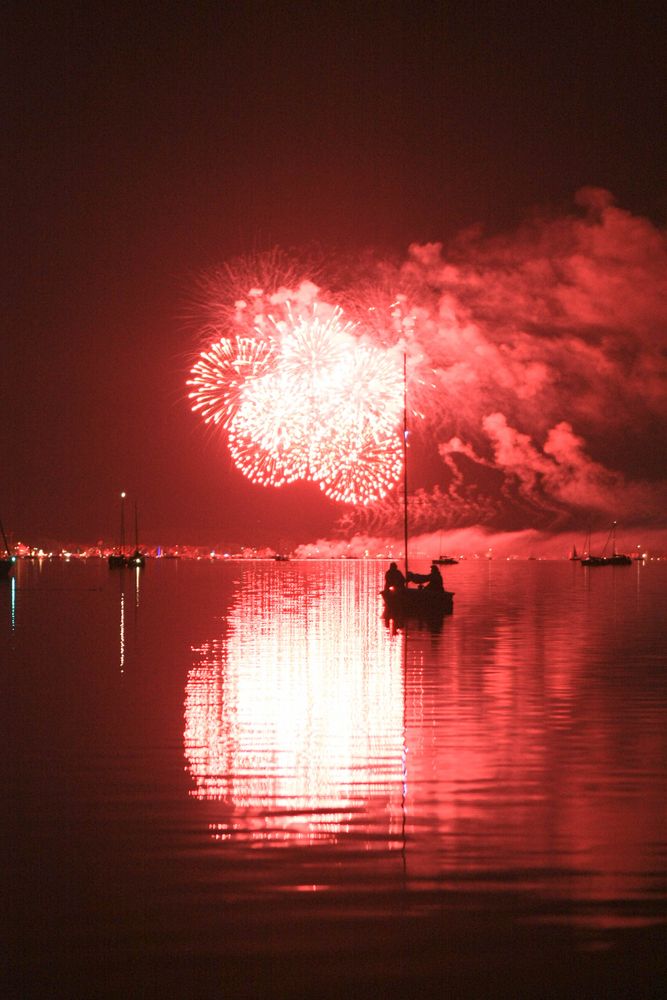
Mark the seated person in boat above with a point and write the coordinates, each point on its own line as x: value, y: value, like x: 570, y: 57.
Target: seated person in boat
x: 435, y: 579
x: 393, y: 578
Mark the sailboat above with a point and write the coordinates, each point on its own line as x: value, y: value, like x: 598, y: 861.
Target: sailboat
x: 118, y: 559
x: 421, y: 602
x: 137, y: 558
x: 445, y: 560
x: 6, y: 562
x: 615, y: 559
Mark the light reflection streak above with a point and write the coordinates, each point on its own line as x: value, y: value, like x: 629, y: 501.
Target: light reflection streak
x: 124, y: 622
x: 520, y: 748
x: 122, y: 630
x: 294, y: 717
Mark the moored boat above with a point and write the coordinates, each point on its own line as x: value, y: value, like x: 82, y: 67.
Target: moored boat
x: 421, y: 603
x: 593, y: 561
x: 619, y: 559
x: 118, y: 559
x: 8, y: 561
x: 615, y: 559
x: 445, y: 560
x: 137, y: 558
x: 428, y: 601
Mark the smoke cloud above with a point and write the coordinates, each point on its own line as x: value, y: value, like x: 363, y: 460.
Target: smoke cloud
x: 537, y: 368
x: 541, y: 359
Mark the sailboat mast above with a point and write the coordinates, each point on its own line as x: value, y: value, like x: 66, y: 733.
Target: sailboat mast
x: 4, y: 538
x: 405, y: 460
x: 122, y: 524
x: 136, y: 527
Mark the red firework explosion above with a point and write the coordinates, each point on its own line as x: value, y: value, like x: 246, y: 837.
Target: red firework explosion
x: 306, y: 399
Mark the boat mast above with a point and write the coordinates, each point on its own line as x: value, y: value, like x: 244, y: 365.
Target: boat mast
x: 587, y: 544
x: 122, y: 524
x: 4, y: 538
x: 611, y: 536
x: 136, y: 527
x: 405, y: 460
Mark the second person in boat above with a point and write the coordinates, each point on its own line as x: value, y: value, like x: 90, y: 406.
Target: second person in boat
x: 435, y: 579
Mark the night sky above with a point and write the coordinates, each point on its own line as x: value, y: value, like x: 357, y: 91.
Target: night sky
x: 145, y: 147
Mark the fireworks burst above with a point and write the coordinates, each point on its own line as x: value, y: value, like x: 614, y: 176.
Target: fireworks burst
x: 223, y: 373
x: 306, y: 399
x: 360, y: 471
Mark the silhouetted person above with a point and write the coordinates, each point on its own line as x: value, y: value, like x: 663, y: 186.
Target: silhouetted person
x: 393, y: 578
x: 435, y: 579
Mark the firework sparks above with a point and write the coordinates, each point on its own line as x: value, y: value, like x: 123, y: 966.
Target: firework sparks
x: 306, y: 400
x: 361, y: 471
x: 222, y: 374
x: 269, y: 434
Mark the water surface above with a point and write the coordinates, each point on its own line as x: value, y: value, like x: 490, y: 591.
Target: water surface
x: 236, y: 779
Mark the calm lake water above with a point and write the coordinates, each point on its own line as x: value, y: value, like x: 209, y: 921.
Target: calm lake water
x: 235, y: 780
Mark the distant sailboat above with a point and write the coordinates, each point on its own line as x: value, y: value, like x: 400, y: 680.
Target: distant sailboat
x: 118, y: 559
x: 593, y: 561
x: 137, y: 558
x: 445, y: 560
x: 8, y: 561
x: 615, y: 559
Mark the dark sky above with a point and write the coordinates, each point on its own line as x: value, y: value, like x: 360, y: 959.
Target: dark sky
x: 143, y: 147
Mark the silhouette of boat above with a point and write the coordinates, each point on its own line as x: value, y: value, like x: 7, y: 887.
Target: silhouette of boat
x: 593, y: 561
x: 615, y: 559
x: 137, y: 559
x: 421, y: 603
x: 619, y: 560
x: 6, y: 562
x: 118, y: 559
x: 445, y: 560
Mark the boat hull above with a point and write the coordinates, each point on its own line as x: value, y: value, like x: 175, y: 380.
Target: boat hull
x: 417, y: 603
x: 617, y: 560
